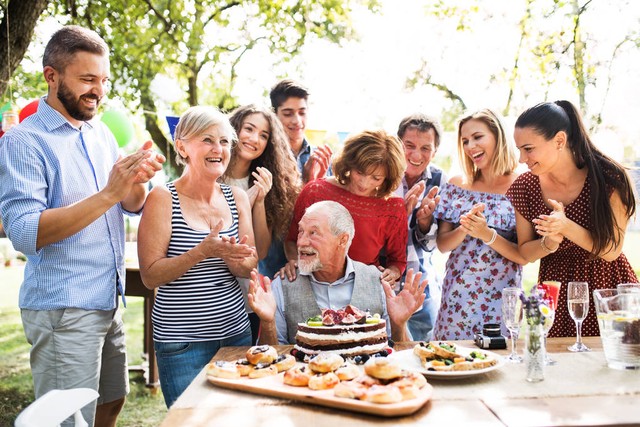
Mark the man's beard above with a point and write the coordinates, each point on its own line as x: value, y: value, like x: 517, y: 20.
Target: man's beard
x: 72, y: 105
x: 309, y: 266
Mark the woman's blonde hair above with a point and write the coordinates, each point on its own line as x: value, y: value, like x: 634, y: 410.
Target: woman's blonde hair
x: 368, y: 150
x: 505, y: 159
x: 198, y: 119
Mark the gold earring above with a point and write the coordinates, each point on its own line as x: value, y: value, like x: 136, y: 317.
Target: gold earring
x: 347, y: 173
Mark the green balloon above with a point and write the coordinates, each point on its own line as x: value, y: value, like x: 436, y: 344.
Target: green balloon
x: 120, y: 125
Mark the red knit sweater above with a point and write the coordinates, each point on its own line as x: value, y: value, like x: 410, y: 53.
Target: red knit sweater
x: 379, y: 223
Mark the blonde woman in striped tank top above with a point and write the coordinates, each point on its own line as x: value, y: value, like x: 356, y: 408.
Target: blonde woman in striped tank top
x: 195, y: 238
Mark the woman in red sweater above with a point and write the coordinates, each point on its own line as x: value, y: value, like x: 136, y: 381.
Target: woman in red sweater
x: 366, y: 172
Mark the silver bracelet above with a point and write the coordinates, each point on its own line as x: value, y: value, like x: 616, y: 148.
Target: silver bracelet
x: 493, y: 238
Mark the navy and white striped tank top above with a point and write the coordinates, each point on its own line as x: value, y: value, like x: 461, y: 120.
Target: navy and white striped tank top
x: 206, y: 302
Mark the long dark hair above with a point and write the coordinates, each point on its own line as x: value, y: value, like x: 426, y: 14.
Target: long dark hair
x: 278, y: 159
x: 549, y: 118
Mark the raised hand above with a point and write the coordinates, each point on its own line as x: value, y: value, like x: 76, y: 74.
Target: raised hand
x: 261, y: 185
x: 474, y: 222
x: 401, y: 306
x: 553, y: 225
x: 124, y: 174
x: 424, y: 214
x: 411, y: 198
x: 318, y: 163
x: 261, y: 299
x: 152, y: 163
x: 227, y: 248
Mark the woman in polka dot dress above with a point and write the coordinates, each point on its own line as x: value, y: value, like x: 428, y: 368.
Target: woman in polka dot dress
x: 476, y: 222
x: 572, y: 207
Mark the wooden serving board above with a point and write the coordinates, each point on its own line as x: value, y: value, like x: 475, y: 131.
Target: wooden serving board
x: 274, y: 386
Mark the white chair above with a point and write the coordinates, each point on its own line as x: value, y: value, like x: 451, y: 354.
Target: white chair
x: 52, y: 408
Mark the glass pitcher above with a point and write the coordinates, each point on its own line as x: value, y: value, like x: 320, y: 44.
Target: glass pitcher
x: 619, y: 321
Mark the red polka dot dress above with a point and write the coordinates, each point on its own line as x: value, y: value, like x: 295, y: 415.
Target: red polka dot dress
x: 570, y: 262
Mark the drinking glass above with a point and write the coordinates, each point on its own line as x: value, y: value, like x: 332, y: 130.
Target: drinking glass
x: 512, y: 316
x: 628, y: 288
x: 550, y: 290
x: 546, y: 326
x: 9, y: 120
x: 578, y: 304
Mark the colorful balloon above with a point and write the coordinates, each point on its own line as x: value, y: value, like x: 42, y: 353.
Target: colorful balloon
x: 120, y: 125
x: 29, y: 109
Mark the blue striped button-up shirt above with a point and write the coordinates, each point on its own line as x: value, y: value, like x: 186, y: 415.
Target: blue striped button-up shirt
x: 420, y: 246
x: 47, y: 163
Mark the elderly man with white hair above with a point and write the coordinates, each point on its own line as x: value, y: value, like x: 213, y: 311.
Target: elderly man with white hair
x: 328, y: 278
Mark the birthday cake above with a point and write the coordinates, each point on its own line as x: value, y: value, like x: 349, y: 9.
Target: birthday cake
x: 349, y: 332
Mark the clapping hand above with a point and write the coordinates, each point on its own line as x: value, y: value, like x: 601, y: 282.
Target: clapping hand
x: 401, y: 306
x: 261, y: 299
x: 474, y: 223
x: 553, y: 225
x: 411, y: 198
x: 424, y: 214
x: 261, y: 185
x: 151, y: 163
x: 229, y: 249
x: 318, y: 163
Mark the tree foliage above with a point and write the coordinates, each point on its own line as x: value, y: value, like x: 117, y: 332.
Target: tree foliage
x: 556, y: 41
x: 15, y: 35
x: 200, y: 44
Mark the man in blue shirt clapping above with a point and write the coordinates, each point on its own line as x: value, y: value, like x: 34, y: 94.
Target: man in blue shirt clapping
x: 63, y: 190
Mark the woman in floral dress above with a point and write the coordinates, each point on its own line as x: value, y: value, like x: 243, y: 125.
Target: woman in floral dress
x: 476, y: 222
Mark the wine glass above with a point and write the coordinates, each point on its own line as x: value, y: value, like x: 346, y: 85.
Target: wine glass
x: 578, y: 304
x: 512, y: 316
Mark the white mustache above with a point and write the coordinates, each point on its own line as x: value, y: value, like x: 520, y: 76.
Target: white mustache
x: 308, y: 250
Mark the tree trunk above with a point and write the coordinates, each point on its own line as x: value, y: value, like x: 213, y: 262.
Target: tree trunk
x: 579, y: 50
x: 193, y: 88
x: 23, y: 17
x: 515, y: 71
x: 151, y: 123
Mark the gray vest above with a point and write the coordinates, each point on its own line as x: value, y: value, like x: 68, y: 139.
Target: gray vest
x: 300, y: 302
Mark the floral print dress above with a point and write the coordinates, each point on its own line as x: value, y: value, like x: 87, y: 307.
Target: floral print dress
x: 475, y: 273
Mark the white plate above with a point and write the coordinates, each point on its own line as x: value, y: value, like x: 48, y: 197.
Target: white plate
x: 408, y: 360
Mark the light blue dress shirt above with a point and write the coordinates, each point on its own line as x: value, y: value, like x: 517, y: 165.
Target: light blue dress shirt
x: 334, y: 295
x: 46, y: 163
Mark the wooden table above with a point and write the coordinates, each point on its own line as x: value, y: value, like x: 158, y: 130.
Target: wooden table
x: 135, y: 287
x: 579, y: 390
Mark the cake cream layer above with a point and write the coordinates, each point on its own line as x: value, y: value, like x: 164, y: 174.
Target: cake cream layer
x: 341, y: 329
x: 353, y: 351
x: 350, y: 336
x: 342, y: 345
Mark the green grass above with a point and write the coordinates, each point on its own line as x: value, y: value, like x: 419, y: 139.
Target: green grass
x: 143, y: 407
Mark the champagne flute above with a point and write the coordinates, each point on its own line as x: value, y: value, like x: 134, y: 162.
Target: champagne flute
x: 512, y: 316
x: 578, y: 304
